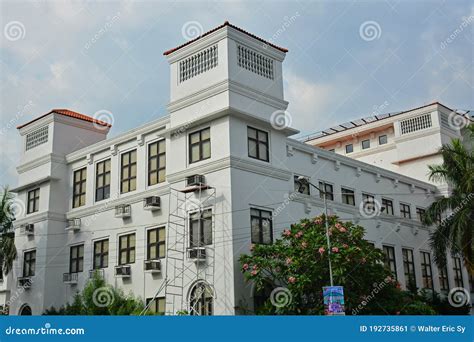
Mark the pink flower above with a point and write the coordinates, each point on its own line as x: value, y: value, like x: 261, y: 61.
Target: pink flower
x: 291, y: 280
x: 299, y: 234
x: 335, y: 249
x: 286, y: 232
x: 338, y: 225
x: 254, y: 273
x: 289, y: 261
x: 245, y: 267
x: 304, y: 244
x: 342, y: 230
x: 318, y: 221
x: 321, y: 250
x: 255, y: 267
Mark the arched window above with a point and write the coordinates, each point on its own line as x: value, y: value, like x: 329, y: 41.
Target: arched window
x: 201, y: 300
x: 25, y: 310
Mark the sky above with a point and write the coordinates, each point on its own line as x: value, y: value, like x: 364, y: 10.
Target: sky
x: 346, y: 59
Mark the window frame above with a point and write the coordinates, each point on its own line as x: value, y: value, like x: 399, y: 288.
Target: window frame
x: 351, y: 147
x: 420, y: 212
x: 458, y: 276
x: 157, y: 156
x: 200, y: 218
x: 29, y: 263
x: 200, y: 144
x: 347, y: 193
x: 405, y: 209
x: 409, y: 267
x: 426, y: 270
x: 386, y: 139
x: 387, y: 203
x: 329, y: 194
x: 156, y: 305
x: 389, y: 261
x: 102, y: 176
x: 82, y: 183
x: 128, y: 249
x: 103, y: 255
x: 362, y: 144
x: 443, y: 278
x: 76, y: 261
x: 33, y: 197
x: 129, y: 167
x: 257, y: 142
x: 261, y: 219
x: 155, y: 244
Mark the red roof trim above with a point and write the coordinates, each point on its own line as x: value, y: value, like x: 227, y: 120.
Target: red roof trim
x: 166, y: 53
x: 71, y: 114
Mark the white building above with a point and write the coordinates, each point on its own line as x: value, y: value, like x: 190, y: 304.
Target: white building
x: 164, y: 210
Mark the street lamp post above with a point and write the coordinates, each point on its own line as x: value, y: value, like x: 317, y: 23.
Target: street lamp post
x: 302, y: 181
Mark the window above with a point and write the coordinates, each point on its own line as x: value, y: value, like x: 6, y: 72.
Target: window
x: 303, y: 188
x: 443, y: 278
x: 332, y: 150
x: 76, y: 259
x: 200, y: 145
x: 1, y: 275
x: 254, y: 62
x: 405, y: 210
x: 390, y: 261
x: 127, y: 249
x: 261, y: 226
x: 409, y: 268
x: 29, y: 260
x: 33, y: 200
x: 200, y: 226
x: 420, y: 213
x: 382, y: 139
x: 198, y: 63
x: 157, y: 162
x: 257, y: 144
x: 79, y: 188
x: 458, y: 281
x: 349, y: 148
x: 102, y: 180
x: 101, y: 254
x: 369, y: 203
x: 348, y: 196
x: 328, y: 189
x: 128, y: 180
x: 365, y: 144
x: 201, y: 300
x: 38, y: 137
x: 157, y: 305
x: 156, y: 243
x: 387, y: 206
x: 426, y: 274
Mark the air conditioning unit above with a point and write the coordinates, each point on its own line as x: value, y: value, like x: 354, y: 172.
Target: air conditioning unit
x: 123, y: 271
x: 73, y: 224
x: 123, y: 211
x: 153, y: 266
x: 195, y: 180
x: 100, y: 273
x: 24, y: 282
x: 70, y: 278
x: 29, y: 229
x: 152, y: 203
x: 197, y: 254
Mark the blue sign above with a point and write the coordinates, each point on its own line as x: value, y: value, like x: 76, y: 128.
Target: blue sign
x: 333, y: 300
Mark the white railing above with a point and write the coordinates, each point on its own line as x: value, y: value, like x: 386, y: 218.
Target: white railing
x: 198, y: 63
x: 255, y: 62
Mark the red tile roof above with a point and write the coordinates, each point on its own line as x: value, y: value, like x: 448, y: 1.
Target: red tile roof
x: 219, y: 27
x: 70, y: 113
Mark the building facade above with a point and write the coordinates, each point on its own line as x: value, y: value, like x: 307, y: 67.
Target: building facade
x: 165, y: 210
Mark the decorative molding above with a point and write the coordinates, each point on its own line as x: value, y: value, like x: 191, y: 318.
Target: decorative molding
x: 307, y: 207
x: 412, y: 188
x: 395, y: 183
x: 377, y: 177
x: 397, y: 227
x: 314, y: 158
x: 39, y: 217
x: 140, y: 140
x: 337, y: 165
x: 289, y: 151
x: 358, y: 171
x: 90, y: 158
x: 113, y: 150
x: 49, y: 158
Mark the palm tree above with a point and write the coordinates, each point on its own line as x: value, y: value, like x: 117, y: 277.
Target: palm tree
x: 7, y: 241
x: 456, y: 232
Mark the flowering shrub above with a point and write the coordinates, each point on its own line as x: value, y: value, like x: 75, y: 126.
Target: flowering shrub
x: 299, y: 262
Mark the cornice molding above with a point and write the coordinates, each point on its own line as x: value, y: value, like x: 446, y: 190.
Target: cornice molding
x: 39, y: 217
x: 48, y: 158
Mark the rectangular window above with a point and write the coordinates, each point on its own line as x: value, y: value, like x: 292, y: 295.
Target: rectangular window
x: 156, y: 306
x: 303, y: 188
x: 348, y: 196
x: 76, y: 259
x: 128, y: 174
x: 405, y: 210
x: 257, y: 144
x: 387, y: 206
x: 458, y: 281
x: 29, y: 260
x: 127, y: 249
x: 328, y: 189
x: 443, y: 278
x: 382, y: 139
x: 426, y: 274
x: 33, y: 200
x: 157, y: 162
x: 349, y: 148
x: 389, y: 260
x: 365, y: 144
x: 420, y: 212
x: 79, y: 188
x: 101, y: 254
x: 156, y: 243
x: 409, y: 268
x: 102, y: 180
x: 261, y: 224
x: 369, y: 205
x: 200, y: 226
x: 200, y: 145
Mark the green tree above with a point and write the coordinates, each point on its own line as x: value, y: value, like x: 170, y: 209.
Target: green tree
x: 7, y: 236
x: 455, y: 233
